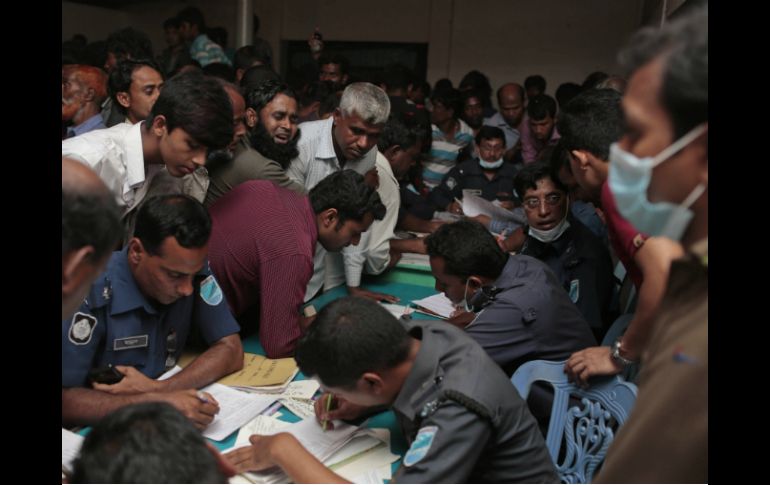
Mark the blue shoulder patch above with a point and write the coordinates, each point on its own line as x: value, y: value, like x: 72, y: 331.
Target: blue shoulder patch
x: 210, y: 291
x: 420, y: 445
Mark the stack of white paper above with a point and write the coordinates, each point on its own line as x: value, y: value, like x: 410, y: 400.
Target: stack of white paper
x: 473, y: 205
x: 413, y: 259
x: 70, y: 447
x: 396, y: 310
x: 436, y: 305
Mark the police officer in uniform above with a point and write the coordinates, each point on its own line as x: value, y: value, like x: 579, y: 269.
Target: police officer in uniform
x: 138, y: 315
x: 463, y: 418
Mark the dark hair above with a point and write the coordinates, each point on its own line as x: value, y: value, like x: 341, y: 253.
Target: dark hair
x: 331, y: 58
x: 198, y: 105
x: 346, y: 191
x: 315, y: 91
x: 450, y: 98
x: 443, y: 83
x: 260, y: 96
x: 531, y: 173
x: 477, y: 81
x: 402, y: 132
x: 220, y: 70
x: 683, y: 45
x: 89, y: 218
x: 351, y: 336
x: 193, y: 16
x: 396, y: 76
x: 254, y: 76
x: 328, y: 104
x: 535, y: 81
x: 146, y: 443
x: 540, y: 107
x: 173, y: 215
x: 593, y: 79
x: 592, y: 121
x: 468, y: 249
x: 489, y: 133
x: 566, y: 92
x: 171, y: 22
x: 246, y: 56
x: 129, y: 42
x: 121, y: 77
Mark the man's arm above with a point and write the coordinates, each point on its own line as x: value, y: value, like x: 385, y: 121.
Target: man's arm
x: 84, y: 406
x: 224, y: 357
x: 413, y: 223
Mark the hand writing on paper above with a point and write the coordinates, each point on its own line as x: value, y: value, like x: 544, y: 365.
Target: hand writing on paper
x: 198, y: 406
x: 339, y: 409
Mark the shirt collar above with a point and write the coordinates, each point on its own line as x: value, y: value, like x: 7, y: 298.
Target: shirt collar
x: 92, y: 123
x: 326, y: 147
x: 135, y: 174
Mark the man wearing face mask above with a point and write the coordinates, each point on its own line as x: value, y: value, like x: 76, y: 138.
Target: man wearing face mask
x: 487, y: 176
x: 659, y: 176
x: 522, y: 313
x: 589, y: 124
x: 578, y: 258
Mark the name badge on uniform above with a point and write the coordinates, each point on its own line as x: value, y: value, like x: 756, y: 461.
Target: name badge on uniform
x: 421, y: 445
x: 81, y: 328
x: 471, y: 192
x: 135, y: 342
x: 574, y: 290
x: 210, y: 291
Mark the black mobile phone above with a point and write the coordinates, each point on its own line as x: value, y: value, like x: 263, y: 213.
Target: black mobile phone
x: 105, y: 375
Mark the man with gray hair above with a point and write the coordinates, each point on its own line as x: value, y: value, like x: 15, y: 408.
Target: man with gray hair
x: 347, y: 140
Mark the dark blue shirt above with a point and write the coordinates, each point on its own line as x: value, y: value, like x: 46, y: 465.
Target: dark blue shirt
x: 116, y: 324
x: 470, y: 176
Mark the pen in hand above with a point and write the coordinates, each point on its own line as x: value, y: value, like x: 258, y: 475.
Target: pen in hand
x: 325, y: 422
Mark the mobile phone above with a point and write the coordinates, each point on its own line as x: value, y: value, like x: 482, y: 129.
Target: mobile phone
x: 105, y: 375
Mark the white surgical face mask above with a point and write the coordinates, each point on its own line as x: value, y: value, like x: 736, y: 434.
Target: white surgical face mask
x: 629, y: 178
x: 491, y: 165
x: 550, y: 235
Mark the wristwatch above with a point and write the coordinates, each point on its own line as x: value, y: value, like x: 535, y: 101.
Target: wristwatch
x: 619, y: 359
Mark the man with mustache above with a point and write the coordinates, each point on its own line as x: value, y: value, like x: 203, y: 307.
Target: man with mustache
x: 271, y: 117
x: 347, y: 140
x: 191, y: 116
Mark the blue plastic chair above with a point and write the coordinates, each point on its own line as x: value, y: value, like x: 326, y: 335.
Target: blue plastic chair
x: 586, y: 432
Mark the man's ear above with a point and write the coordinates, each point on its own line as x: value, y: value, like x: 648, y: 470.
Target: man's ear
x: 123, y: 98
x: 73, y: 268
x: 337, y: 115
x: 583, y: 159
x: 90, y: 93
x: 135, y: 251
x: 159, y: 126
x: 474, y: 282
x: 329, y: 217
x: 372, y: 382
x: 251, y: 117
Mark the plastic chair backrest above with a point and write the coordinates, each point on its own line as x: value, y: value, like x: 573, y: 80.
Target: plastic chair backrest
x: 586, y: 432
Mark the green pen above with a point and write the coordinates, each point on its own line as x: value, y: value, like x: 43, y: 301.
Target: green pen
x: 328, y: 407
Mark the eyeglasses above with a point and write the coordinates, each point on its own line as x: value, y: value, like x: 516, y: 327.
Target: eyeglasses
x: 171, y: 349
x: 550, y: 199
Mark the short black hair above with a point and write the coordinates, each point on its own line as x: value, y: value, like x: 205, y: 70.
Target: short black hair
x: 220, y: 70
x: 479, y: 82
x: 146, y: 443
x: 332, y: 58
x: 396, y: 76
x: 566, y: 92
x: 89, y: 218
x: 198, y: 105
x: 346, y: 191
x: 172, y: 23
x: 351, y: 336
x: 246, y: 56
x: 315, y: 91
x: 130, y: 42
x: 592, y: 121
x: 535, y: 81
x: 468, y: 249
x: 450, y: 98
x: 254, y: 76
x: 399, y: 132
x: 531, y: 173
x: 176, y: 215
x: 120, y: 78
x: 260, y: 96
x: 489, y: 133
x: 683, y: 46
x: 192, y: 16
x: 593, y: 79
x: 540, y: 107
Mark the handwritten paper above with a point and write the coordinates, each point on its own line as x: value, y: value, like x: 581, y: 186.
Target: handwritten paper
x: 437, y: 305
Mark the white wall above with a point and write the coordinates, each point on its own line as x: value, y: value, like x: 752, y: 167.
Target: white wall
x: 563, y: 40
